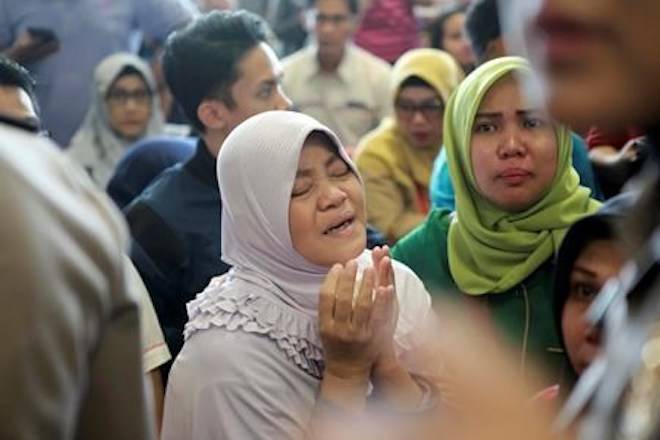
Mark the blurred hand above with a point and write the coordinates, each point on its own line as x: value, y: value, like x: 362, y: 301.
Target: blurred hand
x: 630, y: 151
x: 28, y: 48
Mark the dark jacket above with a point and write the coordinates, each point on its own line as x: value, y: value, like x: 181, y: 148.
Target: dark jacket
x: 523, y: 314
x: 175, y: 226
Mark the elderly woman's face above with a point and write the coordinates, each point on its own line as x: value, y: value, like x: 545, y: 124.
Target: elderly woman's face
x: 600, y: 58
x: 513, y: 148
x: 129, y: 106
x: 327, y: 216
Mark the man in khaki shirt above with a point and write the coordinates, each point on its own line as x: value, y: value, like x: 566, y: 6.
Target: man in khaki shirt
x: 341, y: 85
x: 70, y: 364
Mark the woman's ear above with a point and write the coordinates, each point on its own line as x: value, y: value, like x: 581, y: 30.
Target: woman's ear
x: 213, y: 114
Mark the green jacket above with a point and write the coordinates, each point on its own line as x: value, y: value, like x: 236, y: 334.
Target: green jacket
x: 524, y: 314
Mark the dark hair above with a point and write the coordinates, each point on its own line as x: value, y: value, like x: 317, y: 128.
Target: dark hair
x: 482, y: 24
x: 352, y: 6
x: 322, y: 138
x: 436, y: 28
x: 415, y: 81
x: 131, y: 70
x: 13, y: 74
x: 201, y: 60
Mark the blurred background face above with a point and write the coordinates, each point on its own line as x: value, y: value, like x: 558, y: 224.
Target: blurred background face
x: 513, y: 148
x: 418, y: 112
x: 600, y: 58
x: 333, y: 28
x: 455, y: 41
x: 129, y: 106
x: 598, y: 261
x: 327, y: 215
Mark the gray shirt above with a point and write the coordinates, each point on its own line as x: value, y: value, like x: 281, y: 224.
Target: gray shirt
x: 236, y: 385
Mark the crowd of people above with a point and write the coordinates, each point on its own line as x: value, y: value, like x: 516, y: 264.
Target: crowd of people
x: 329, y: 219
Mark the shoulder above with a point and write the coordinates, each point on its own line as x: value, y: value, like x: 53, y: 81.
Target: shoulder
x: 377, y: 145
x: 218, y: 354
x: 433, y: 230
x: 161, y: 200
x: 298, y: 64
x: 375, y: 65
x: 233, y: 384
x: 424, y: 250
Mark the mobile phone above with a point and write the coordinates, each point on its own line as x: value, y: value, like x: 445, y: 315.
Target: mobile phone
x: 43, y: 34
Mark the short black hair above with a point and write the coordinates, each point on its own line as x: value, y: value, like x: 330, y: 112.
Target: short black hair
x: 436, y: 28
x: 201, y: 60
x: 415, y: 81
x: 482, y: 24
x: 13, y: 74
x: 353, y: 6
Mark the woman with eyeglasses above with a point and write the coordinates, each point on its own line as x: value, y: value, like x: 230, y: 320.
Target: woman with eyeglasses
x: 396, y: 158
x: 124, y: 108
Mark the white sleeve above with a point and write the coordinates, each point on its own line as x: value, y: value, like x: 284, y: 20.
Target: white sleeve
x: 154, y: 349
x: 414, y: 307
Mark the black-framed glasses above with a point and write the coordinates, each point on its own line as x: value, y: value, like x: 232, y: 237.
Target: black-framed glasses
x: 121, y: 97
x: 428, y: 109
x: 334, y: 19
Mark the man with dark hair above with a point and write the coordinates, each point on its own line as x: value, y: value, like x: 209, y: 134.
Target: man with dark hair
x: 221, y: 71
x: 482, y: 24
x: 341, y: 85
x: 17, y: 99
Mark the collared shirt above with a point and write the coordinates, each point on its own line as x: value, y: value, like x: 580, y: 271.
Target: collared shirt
x: 350, y: 101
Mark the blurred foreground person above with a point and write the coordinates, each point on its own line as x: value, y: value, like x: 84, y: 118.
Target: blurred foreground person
x: 597, y: 59
x: 71, y: 367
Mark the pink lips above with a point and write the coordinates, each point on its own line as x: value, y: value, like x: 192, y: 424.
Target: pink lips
x: 347, y: 217
x: 514, y: 176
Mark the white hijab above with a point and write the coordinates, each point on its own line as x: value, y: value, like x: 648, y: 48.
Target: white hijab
x: 272, y: 289
x: 95, y: 146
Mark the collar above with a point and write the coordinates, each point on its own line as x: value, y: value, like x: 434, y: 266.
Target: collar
x: 343, y: 70
x: 202, y: 165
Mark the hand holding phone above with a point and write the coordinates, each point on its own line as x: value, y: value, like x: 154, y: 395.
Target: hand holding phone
x: 33, y: 45
x: 43, y: 34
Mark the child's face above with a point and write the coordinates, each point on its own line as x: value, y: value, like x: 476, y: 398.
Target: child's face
x: 598, y: 261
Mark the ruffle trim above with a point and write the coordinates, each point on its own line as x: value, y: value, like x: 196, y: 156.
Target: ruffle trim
x: 295, y: 333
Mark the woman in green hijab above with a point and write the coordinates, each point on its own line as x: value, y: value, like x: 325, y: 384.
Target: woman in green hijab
x: 516, y: 196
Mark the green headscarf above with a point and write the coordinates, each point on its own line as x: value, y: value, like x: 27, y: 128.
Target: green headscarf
x: 491, y: 250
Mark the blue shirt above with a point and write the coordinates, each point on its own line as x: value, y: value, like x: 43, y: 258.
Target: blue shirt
x: 441, y: 189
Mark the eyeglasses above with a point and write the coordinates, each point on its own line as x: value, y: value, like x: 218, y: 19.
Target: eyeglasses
x: 335, y: 20
x: 121, y: 97
x: 429, y: 109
